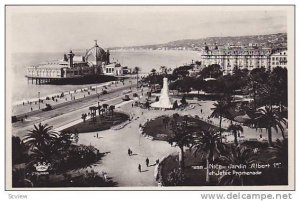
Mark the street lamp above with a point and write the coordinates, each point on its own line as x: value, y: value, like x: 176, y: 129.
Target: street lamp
x: 39, y: 100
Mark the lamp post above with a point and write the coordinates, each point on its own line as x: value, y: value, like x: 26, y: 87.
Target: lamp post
x: 39, y: 100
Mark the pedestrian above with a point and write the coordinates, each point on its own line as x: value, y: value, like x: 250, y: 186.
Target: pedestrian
x: 129, y: 152
x: 157, y: 161
x: 31, y: 108
x: 140, y: 168
x: 132, y: 105
x: 201, y: 111
x: 97, y: 135
x: 147, y: 162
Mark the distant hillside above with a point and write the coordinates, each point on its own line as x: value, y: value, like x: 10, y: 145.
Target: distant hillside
x: 278, y: 40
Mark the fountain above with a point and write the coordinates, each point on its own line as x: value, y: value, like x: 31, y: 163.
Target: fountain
x: 164, y: 100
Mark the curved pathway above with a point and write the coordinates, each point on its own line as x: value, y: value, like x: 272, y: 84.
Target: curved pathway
x: 123, y: 168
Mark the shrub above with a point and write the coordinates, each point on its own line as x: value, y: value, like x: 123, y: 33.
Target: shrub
x: 175, y: 178
x: 183, y: 101
x: 175, y: 105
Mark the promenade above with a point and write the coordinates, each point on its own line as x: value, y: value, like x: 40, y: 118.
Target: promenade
x: 122, y: 168
x: 72, y: 110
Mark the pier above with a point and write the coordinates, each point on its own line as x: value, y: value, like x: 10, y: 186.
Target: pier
x: 41, y: 80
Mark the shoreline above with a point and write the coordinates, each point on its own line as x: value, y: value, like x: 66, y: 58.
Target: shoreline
x: 20, y: 102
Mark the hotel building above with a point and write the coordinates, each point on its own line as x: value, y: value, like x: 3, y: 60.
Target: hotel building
x: 230, y: 57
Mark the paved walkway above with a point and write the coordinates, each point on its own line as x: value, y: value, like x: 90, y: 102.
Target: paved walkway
x: 123, y: 168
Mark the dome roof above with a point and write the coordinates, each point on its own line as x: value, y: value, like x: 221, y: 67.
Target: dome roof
x: 95, y: 53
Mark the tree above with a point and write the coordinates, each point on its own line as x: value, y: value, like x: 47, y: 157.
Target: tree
x: 280, y: 152
x: 41, y: 139
x: 181, y: 137
x: 93, y: 110
x: 153, y: 71
x: 175, y: 104
x: 220, y: 110
x: 136, y: 71
x: 210, y: 143
x: 111, y: 109
x: 147, y: 105
x: 269, y: 118
x: 99, y: 109
x: 105, y: 106
x: 213, y: 71
x: 163, y: 69
x: 83, y: 116
x: 235, y: 129
x: 257, y: 78
x: 278, y: 79
x: 18, y: 150
x: 238, y: 156
x: 183, y: 100
x: 198, y: 84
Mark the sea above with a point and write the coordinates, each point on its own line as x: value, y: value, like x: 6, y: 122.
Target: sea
x: 22, y: 90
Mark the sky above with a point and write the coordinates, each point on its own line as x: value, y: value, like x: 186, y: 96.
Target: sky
x: 61, y: 28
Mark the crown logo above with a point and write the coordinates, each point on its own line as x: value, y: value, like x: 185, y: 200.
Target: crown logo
x: 42, y: 167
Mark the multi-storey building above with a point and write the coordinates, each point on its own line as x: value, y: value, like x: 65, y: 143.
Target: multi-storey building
x: 230, y: 57
x: 279, y: 59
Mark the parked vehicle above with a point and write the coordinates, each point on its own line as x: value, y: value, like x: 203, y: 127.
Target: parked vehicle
x: 126, y: 98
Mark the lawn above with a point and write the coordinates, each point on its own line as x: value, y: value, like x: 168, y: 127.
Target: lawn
x: 159, y: 131
x: 104, y: 122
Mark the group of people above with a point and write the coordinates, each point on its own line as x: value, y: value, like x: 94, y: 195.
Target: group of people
x: 147, y: 164
x: 147, y: 161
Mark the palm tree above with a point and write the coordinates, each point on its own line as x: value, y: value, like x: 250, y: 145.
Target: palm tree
x: 208, y: 142
x: 111, y: 109
x: 181, y: 137
x: 235, y: 129
x: 40, y: 137
x: 105, y: 106
x: 219, y: 111
x: 93, y: 110
x: 238, y: 156
x: 83, y: 116
x: 99, y: 109
x: 102, y: 111
x: 41, y: 142
x: 280, y: 152
x: 269, y: 118
x: 136, y: 71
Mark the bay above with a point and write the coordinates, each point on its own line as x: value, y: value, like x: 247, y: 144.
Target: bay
x: 146, y: 60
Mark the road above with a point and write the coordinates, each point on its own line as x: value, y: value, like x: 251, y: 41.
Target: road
x: 68, y: 112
